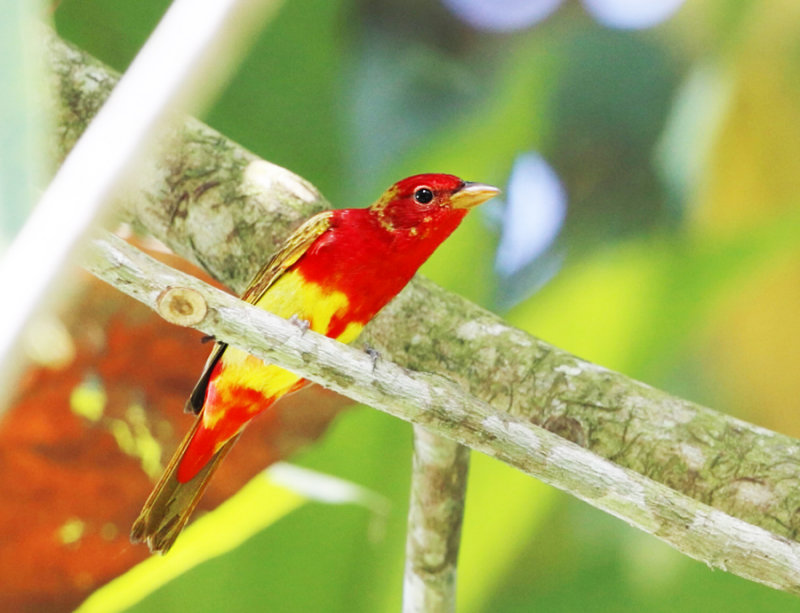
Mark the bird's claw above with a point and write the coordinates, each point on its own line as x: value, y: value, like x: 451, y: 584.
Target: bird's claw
x: 373, y: 353
x: 303, y: 324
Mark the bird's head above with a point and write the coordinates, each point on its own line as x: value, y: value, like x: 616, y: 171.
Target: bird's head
x: 422, y: 203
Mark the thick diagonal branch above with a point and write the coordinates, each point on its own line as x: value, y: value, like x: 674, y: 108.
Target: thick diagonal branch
x: 204, y: 181
x: 448, y: 409
x: 217, y: 204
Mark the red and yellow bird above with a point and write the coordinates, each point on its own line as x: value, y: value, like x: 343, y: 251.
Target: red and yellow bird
x: 336, y: 271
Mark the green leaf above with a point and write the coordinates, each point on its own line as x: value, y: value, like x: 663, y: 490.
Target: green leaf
x: 259, y: 504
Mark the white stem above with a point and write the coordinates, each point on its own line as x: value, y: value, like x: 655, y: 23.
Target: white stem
x: 191, y: 35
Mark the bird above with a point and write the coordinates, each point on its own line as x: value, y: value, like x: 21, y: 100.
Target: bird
x: 334, y: 273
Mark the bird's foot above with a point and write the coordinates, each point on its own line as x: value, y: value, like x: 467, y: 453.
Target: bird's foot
x: 373, y: 353
x: 303, y: 324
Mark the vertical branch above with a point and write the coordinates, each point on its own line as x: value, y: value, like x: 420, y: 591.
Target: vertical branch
x: 436, y: 511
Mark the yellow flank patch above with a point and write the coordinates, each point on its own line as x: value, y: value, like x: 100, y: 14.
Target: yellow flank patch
x: 350, y: 333
x: 290, y: 295
x: 244, y: 370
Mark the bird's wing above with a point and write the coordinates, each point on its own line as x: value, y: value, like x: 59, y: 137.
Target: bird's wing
x: 291, y: 251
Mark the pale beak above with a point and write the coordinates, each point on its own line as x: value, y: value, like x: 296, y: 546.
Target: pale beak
x: 472, y: 194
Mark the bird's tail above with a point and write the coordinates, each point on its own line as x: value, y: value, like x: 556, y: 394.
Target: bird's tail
x: 171, y: 502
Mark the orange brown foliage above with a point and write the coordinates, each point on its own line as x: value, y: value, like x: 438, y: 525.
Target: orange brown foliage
x: 70, y: 492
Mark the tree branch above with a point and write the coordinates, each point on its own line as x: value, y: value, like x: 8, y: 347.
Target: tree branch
x: 203, y: 182
x: 217, y: 204
x: 447, y: 409
x: 435, y: 515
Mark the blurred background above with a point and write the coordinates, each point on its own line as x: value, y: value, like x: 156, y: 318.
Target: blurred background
x: 649, y: 154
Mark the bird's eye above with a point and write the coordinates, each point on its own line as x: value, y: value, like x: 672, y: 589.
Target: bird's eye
x: 423, y: 195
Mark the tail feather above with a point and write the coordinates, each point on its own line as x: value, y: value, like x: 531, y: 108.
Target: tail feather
x: 171, y: 502
x: 200, y: 450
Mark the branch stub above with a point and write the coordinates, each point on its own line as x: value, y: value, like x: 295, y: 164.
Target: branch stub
x: 182, y: 306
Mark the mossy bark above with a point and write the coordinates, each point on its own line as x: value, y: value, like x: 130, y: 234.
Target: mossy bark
x: 446, y: 409
x: 215, y: 203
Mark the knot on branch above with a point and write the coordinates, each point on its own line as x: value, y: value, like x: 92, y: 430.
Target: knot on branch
x: 566, y: 427
x: 182, y: 306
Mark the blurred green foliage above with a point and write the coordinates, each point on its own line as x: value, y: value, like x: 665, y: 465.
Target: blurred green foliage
x: 21, y: 121
x: 355, y: 95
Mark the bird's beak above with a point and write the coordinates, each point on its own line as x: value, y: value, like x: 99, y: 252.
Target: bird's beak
x: 472, y: 194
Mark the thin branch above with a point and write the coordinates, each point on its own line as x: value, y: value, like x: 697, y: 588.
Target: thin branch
x: 447, y: 409
x: 436, y: 512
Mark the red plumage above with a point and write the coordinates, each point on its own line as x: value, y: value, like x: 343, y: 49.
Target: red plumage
x: 336, y: 272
